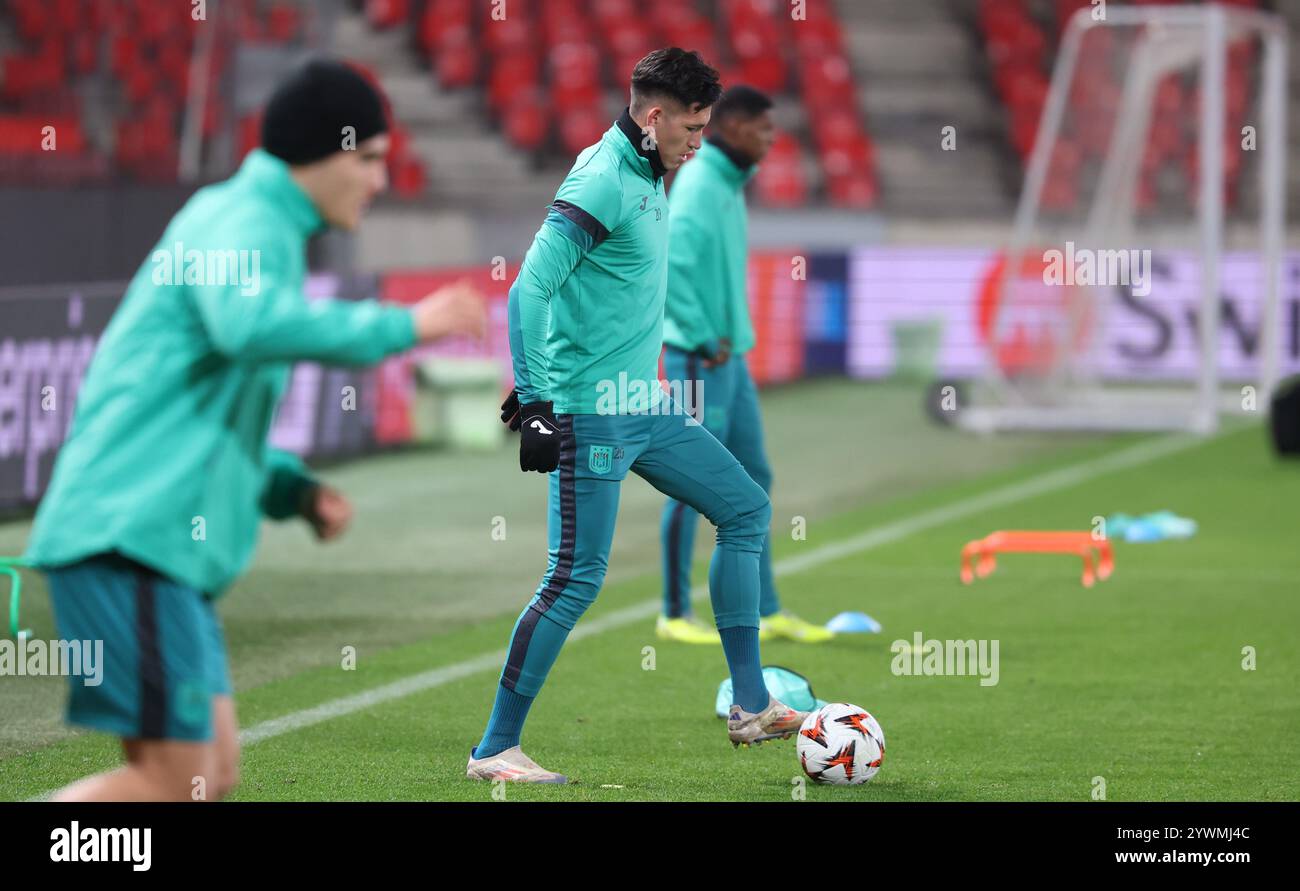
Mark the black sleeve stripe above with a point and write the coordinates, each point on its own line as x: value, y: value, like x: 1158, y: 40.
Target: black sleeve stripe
x: 589, y: 224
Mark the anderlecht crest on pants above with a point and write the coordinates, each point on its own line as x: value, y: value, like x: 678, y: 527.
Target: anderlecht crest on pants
x: 600, y: 458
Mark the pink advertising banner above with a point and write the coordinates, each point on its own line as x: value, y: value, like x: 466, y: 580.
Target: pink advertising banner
x: 934, y: 308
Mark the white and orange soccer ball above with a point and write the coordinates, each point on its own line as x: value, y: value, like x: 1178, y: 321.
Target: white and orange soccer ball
x: 841, y: 744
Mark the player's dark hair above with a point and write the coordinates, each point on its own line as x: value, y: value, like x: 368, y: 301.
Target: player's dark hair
x: 678, y: 74
x: 740, y: 101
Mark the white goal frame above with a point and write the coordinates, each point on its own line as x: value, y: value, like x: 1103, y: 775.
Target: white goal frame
x: 1004, y: 404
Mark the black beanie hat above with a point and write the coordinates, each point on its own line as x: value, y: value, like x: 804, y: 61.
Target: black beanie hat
x: 306, y: 114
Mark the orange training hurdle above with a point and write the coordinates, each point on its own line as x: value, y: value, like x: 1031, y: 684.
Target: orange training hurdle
x: 1098, y: 561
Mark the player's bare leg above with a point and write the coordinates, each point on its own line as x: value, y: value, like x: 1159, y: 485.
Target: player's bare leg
x: 167, y: 770
x: 155, y: 770
x: 225, y: 748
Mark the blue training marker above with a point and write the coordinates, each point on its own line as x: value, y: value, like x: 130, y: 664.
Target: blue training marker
x: 853, y: 623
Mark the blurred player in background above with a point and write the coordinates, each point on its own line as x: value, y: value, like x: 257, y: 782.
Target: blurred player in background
x: 586, y: 315
x: 707, y: 332
x: 156, y: 497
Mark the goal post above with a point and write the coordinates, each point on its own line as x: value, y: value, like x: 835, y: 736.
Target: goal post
x: 1152, y: 120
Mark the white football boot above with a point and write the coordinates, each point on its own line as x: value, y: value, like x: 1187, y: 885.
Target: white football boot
x: 777, y: 721
x: 513, y: 766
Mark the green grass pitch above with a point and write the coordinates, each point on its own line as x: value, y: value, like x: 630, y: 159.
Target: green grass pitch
x: 1138, y: 681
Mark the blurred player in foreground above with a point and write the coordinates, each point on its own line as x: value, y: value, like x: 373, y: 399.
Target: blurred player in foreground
x: 155, y: 501
x: 586, y: 330
x: 707, y: 332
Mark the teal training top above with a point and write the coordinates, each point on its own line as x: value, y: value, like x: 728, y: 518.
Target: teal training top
x: 586, y: 311
x: 166, y: 459
x: 708, y: 254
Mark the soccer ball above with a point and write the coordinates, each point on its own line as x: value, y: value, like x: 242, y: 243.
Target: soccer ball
x: 841, y: 744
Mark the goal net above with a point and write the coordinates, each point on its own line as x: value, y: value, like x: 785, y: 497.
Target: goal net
x: 1140, y: 288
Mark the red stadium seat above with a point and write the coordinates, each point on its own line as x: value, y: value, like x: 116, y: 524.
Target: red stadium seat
x: 827, y: 83
x: 766, y: 73
x: 605, y: 10
x: 857, y: 190
x: 631, y: 37
x: 623, y: 66
x: 123, y: 53
x: 1065, y: 9
x: 1024, y: 132
x: 1059, y: 194
x: 457, y: 66
x: 565, y: 22
x: 527, y: 121
x: 85, y: 52
x: 283, y: 22
x: 692, y: 32
x: 25, y: 134
x: 511, y: 35
x: 574, y: 77
x: 512, y: 75
x: 408, y: 178
x: 581, y: 127
x: 443, y: 19
x: 399, y: 141
x: 31, y: 19
x: 819, y: 35
x: 836, y: 127
x: 28, y: 75
x: 1021, y: 85
x: 780, y: 181
x: 575, y: 63
x: 140, y: 83
x: 250, y: 134
x: 384, y: 14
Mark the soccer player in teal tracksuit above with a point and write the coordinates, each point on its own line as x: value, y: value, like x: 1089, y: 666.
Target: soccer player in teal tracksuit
x: 586, y: 319
x: 707, y: 332
x: 155, y: 502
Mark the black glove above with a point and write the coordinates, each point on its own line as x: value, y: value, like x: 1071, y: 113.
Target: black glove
x: 539, y: 440
x: 510, y: 410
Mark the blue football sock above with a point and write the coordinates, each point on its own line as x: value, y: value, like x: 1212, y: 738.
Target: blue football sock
x: 505, y: 724
x: 741, y: 647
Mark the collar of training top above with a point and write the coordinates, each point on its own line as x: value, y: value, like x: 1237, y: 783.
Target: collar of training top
x: 742, y: 161
x: 635, y: 135
x: 270, y: 176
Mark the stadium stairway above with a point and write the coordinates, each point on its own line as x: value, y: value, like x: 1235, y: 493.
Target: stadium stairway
x: 920, y: 72
x: 471, y: 169
x: 466, y: 160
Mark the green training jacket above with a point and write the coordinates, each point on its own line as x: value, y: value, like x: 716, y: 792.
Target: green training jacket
x: 708, y: 254
x: 166, y: 460
x: 587, y: 307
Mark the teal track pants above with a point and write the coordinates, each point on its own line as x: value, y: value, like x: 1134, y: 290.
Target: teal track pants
x: 726, y: 403
x: 677, y: 456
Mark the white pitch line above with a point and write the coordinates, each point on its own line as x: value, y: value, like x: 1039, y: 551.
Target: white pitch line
x: 873, y: 538
x: 1030, y: 488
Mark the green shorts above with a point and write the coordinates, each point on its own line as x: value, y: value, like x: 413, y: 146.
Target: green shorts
x: 164, y: 654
